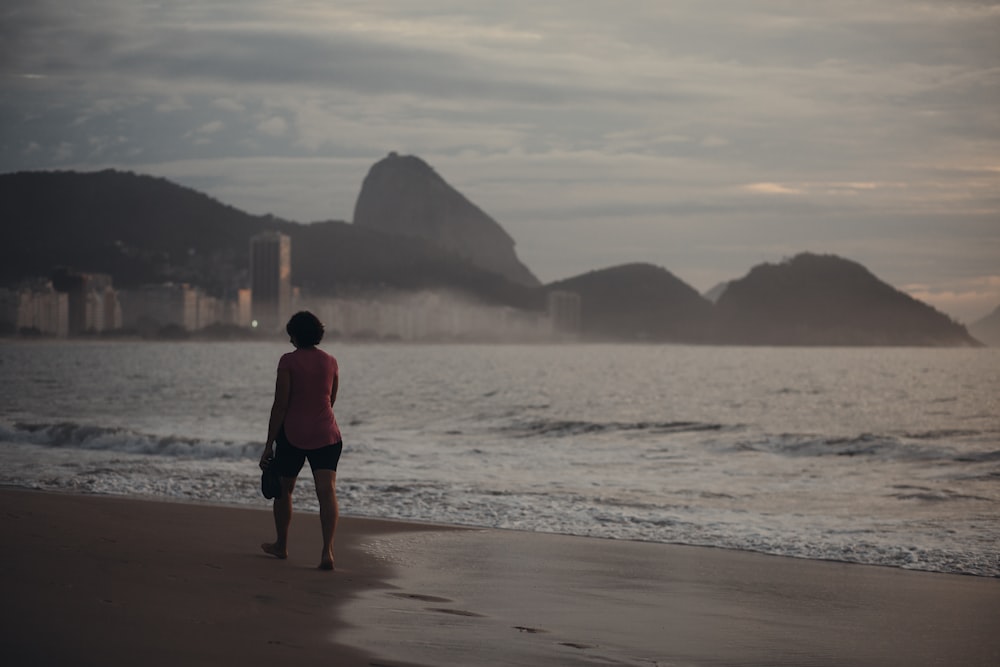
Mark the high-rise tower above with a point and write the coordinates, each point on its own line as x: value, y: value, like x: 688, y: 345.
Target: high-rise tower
x: 270, y: 280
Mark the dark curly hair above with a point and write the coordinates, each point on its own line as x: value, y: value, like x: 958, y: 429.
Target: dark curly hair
x: 305, y: 328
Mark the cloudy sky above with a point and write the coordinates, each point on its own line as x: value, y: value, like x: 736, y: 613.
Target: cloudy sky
x: 702, y: 136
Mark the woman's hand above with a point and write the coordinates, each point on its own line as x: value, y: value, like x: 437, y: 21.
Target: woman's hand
x: 265, y: 458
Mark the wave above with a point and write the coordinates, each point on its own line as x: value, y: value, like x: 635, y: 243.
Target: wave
x: 564, y: 428
x: 86, y: 436
x: 864, y: 445
x: 909, y: 492
x: 940, y: 434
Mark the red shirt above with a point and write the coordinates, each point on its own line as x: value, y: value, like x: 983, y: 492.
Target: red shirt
x: 309, y: 422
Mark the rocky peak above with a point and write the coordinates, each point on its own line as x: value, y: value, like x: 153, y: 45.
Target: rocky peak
x: 403, y: 195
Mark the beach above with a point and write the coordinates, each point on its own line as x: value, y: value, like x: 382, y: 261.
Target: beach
x: 103, y: 580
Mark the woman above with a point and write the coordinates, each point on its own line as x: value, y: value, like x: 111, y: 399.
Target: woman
x: 303, y: 426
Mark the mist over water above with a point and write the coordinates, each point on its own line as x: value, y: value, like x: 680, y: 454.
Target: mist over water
x: 886, y: 456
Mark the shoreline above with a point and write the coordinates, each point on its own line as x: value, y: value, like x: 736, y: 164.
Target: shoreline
x: 116, y: 580
x: 429, y: 524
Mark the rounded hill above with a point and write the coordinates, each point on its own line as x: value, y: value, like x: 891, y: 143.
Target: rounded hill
x: 638, y: 302
x: 827, y: 300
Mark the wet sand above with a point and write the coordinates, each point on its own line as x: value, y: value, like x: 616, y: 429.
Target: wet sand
x: 92, y: 580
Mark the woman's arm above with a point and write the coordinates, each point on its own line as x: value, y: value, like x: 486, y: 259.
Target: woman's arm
x: 334, y: 388
x: 282, y: 390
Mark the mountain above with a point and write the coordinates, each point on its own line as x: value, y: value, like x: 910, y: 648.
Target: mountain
x: 403, y: 195
x: 826, y: 300
x: 988, y: 329
x: 638, y: 302
x: 333, y: 257
x: 137, y: 228
x: 142, y: 229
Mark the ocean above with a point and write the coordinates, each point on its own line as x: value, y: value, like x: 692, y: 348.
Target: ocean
x: 885, y: 456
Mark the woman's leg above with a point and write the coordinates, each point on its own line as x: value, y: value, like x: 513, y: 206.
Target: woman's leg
x: 329, y: 512
x: 282, y: 519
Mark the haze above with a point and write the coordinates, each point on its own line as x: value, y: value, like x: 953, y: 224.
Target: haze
x: 702, y: 137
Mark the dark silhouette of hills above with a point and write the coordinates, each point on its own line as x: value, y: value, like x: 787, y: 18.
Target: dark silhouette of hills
x: 331, y: 258
x: 137, y: 228
x: 826, y: 300
x: 639, y: 302
x: 142, y: 229
x: 987, y: 329
x: 403, y: 195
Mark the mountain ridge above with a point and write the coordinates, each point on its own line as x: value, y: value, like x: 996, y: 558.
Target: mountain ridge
x: 142, y: 228
x: 146, y: 229
x: 827, y: 300
x: 639, y: 301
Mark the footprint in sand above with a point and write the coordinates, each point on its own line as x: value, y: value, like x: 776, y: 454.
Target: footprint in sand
x: 456, y: 612
x: 576, y: 645
x: 421, y: 598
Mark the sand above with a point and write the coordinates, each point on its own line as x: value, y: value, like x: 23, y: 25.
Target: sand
x: 91, y: 580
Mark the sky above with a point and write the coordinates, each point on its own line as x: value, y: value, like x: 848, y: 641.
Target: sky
x: 702, y: 136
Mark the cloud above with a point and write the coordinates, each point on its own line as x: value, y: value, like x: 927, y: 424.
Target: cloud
x: 173, y: 104
x: 63, y: 152
x: 771, y: 189
x: 275, y: 126
x: 704, y: 138
x: 227, y: 104
x: 211, y: 127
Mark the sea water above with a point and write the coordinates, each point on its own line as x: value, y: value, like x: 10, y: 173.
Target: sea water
x: 885, y: 456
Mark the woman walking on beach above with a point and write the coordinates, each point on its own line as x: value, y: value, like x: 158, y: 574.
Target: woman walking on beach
x: 303, y: 427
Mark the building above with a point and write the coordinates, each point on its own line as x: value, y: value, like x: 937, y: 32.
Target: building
x: 102, y: 310
x: 241, y: 310
x: 93, y: 302
x: 270, y: 280
x: 564, y: 312
x: 43, y: 310
x: 426, y: 316
x: 150, y: 308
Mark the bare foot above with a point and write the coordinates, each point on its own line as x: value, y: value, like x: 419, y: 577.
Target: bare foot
x: 327, y: 562
x: 274, y: 550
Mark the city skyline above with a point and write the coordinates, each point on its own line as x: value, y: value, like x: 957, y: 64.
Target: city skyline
x: 704, y: 139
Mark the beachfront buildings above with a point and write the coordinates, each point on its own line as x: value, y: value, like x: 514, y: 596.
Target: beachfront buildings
x: 70, y: 304
x: 270, y: 280
x: 564, y: 312
x: 426, y: 316
x: 42, y: 310
x: 92, y: 301
x: 150, y: 308
x: 89, y: 304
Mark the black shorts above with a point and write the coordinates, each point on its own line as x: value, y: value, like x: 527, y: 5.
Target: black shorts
x: 288, y: 459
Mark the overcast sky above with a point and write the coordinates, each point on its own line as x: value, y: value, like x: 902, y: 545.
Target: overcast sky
x: 702, y: 136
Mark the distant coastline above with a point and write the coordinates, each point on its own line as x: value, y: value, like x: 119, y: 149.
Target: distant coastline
x: 109, y: 234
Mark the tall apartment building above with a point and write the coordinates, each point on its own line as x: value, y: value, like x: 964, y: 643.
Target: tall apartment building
x: 270, y: 280
x: 93, y: 302
x: 43, y: 309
